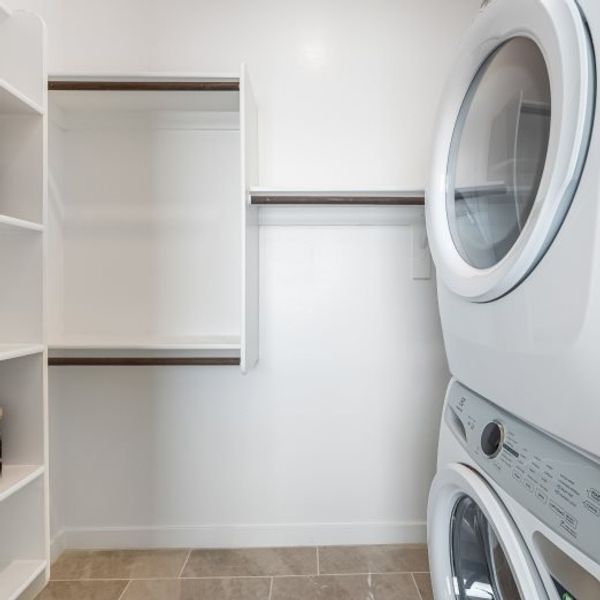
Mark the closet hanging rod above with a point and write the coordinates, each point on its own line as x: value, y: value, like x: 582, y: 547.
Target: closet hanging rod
x: 144, y: 86
x: 340, y: 200
x: 154, y: 361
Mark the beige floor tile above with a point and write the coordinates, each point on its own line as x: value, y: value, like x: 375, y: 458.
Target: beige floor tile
x: 373, y: 559
x: 251, y: 562
x: 424, y: 584
x: 200, y: 589
x: 346, y: 587
x: 118, y: 564
x: 83, y: 590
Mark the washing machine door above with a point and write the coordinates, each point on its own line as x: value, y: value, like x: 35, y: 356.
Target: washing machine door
x: 475, y: 550
x: 511, y: 140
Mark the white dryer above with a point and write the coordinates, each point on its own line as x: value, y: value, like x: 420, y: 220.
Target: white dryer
x: 513, y: 214
x: 513, y: 514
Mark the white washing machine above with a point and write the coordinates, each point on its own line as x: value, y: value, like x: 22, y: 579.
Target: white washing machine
x: 513, y: 513
x: 513, y: 214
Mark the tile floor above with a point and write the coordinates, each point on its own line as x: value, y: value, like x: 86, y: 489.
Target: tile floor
x: 324, y: 573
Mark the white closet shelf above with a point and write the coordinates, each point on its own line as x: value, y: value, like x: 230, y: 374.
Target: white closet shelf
x: 9, y: 351
x: 203, y: 344
x: 17, y: 576
x: 16, y: 477
x: 12, y: 222
x: 12, y: 101
x: 207, y: 352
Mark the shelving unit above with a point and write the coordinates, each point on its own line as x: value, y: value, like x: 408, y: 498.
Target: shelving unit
x: 24, y: 519
x: 148, y: 252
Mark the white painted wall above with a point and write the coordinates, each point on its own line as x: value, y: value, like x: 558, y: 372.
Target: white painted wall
x: 332, y: 437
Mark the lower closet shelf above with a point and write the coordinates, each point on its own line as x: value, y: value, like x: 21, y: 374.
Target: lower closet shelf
x: 137, y: 355
x: 17, y: 575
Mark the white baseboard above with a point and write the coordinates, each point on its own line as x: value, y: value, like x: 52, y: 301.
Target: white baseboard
x: 240, y: 536
x: 57, y: 545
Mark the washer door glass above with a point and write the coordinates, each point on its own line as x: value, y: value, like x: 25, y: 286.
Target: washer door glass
x: 498, y: 152
x: 480, y: 567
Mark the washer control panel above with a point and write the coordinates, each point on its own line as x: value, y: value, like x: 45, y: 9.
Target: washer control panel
x: 560, y: 486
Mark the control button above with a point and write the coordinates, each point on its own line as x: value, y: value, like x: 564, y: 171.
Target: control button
x: 592, y: 508
x: 568, y: 529
x: 571, y: 520
x: 541, y: 495
x: 529, y: 486
x: 517, y: 474
x: 557, y: 509
x: 594, y: 495
x: 492, y: 438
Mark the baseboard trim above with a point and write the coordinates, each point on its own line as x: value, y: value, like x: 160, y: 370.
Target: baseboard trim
x: 58, y: 544
x: 240, y: 536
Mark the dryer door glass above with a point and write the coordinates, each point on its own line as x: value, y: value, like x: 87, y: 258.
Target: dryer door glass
x: 480, y: 567
x: 498, y: 152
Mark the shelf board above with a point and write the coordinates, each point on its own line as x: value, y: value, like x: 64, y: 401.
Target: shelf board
x: 168, y: 344
x: 10, y: 351
x: 12, y: 222
x: 265, y: 197
x: 17, y: 576
x: 12, y: 101
x: 16, y: 477
x: 203, y: 352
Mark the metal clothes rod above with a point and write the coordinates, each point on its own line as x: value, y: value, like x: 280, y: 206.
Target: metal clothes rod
x: 338, y: 200
x: 102, y: 361
x: 144, y: 86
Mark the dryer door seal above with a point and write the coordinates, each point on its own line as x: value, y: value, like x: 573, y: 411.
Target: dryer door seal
x: 475, y: 549
x: 512, y: 137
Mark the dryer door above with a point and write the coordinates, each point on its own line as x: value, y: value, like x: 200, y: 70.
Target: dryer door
x: 512, y: 137
x: 475, y: 550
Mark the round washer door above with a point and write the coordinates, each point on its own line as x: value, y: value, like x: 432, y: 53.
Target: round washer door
x: 512, y: 136
x: 475, y: 550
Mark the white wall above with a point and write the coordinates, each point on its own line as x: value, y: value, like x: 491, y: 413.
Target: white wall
x: 347, y: 89
x: 332, y: 437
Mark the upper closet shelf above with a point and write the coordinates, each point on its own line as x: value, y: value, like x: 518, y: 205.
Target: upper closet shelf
x: 279, y: 197
x: 77, y: 93
x: 12, y: 101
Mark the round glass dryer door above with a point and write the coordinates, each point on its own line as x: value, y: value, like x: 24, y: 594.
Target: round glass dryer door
x: 479, y: 564
x: 511, y: 140
x: 498, y: 153
x: 475, y: 548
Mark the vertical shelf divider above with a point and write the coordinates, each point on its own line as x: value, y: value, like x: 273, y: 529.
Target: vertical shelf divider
x: 250, y: 230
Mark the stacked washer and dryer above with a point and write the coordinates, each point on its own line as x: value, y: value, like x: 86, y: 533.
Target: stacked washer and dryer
x: 513, y: 216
